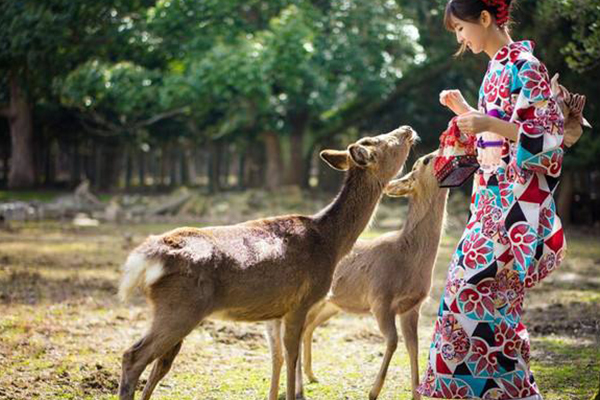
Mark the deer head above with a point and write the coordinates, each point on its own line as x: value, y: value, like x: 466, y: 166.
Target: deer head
x: 381, y: 155
x: 420, y: 182
x: 571, y: 105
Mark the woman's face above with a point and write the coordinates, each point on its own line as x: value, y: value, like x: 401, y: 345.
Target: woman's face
x: 471, y: 34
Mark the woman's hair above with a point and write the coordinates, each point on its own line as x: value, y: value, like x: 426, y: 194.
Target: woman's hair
x: 470, y: 11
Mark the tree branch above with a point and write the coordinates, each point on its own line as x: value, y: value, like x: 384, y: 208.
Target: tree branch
x: 96, y: 131
x: 158, y: 117
x: 100, y: 120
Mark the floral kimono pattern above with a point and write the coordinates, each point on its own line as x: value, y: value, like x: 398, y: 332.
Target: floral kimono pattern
x: 513, y: 239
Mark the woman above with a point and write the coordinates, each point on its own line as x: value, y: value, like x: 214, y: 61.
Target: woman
x: 514, y: 238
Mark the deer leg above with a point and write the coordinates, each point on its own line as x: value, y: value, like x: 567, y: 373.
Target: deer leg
x: 160, y: 369
x: 293, y: 325
x: 299, y: 382
x: 386, y: 319
x: 174, y: 318
x: 317, y: 316
x: 135, y: 360
x: 276, y: 348
x: 409, y: 322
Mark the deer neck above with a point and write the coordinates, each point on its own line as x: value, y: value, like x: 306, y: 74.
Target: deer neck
x: 425, y: 219
x: 342, y: 221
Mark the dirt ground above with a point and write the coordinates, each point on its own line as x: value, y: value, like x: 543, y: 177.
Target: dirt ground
x: 63, y: 330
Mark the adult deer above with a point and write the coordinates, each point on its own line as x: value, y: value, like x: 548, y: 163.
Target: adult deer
x: 273, y: 268
x: 387, y: 276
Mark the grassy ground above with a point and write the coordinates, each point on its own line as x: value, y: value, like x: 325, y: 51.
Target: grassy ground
x: 62, y: 330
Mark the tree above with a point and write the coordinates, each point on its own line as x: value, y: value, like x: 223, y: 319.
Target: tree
x: 118, y: 101
x: 42, y: 40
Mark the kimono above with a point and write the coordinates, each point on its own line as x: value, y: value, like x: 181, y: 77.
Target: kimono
x: 513, y: 240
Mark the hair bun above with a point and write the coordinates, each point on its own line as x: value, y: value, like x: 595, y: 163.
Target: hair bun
x: 502, y: 10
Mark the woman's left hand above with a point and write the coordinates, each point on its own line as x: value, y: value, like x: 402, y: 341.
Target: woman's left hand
x: 473, y: 122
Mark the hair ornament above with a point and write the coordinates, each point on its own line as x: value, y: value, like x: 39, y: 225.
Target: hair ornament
x: 502, y: 10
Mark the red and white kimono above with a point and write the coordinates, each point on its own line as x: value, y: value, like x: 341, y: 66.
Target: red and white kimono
x: 514, y: 239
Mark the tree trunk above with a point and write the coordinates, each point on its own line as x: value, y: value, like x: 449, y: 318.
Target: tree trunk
x: 76, y: 161
x: 141, y: 164
x: 224, y: 168
x: 22, y: 165
x: 128, y: 167
x: 97, y: 165
x: 254, y: 167
x: 175, y: 165
x: 164, y: 157
x: 214, y: 166
x: 241, y: 184
x: 5, y: 160
x: 52, y: 151
x: 565, y: 197
x: 296, y: 168
x: 189, y: 153
x: 111, y: 163
x: 273, y: 176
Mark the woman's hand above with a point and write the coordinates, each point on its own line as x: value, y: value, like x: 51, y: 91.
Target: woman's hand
x: 454, y: 100
x: 474, y: 122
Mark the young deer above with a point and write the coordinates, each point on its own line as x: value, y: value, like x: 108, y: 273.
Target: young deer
x: 387, y: 276
x: 259, y: 270
x: 571, y: 105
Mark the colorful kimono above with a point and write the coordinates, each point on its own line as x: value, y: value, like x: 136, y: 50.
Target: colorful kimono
x: 480, y: 348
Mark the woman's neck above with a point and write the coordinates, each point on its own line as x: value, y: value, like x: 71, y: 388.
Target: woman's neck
x: 497, y: 38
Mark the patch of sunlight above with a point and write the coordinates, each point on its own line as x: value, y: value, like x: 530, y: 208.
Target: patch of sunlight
x: 48, y: 248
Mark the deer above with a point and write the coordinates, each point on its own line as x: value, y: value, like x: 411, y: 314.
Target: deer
x: 571, y: 105
x: 387, y: 276
x: 271, y: 268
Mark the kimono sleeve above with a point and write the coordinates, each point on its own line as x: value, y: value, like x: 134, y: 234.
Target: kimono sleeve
x: 540, y: 121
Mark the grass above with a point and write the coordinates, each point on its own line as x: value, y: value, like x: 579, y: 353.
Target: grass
x: 62, y: 330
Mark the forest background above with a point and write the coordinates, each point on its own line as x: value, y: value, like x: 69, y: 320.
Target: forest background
x: 146, y: 96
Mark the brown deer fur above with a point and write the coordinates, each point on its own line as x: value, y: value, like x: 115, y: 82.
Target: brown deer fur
x: 387, y: 276
x: 571, y: 105
x: 259, y: 270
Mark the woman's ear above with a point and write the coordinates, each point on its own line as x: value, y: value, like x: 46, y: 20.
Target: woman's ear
x: 486, y: 19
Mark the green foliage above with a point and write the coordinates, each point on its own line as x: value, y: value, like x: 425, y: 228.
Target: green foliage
x: 582, y: 51
x: 126, y: 89
x: 238, y: 68
x: 41, y: 40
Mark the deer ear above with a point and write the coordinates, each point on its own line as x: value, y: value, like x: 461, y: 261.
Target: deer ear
x: 336, y: 159
x: 360, y: 155
x: 400, y: 187
x: 556, y: 88
x: 585, y: 123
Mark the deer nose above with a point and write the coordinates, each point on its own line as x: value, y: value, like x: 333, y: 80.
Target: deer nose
x: 407, y: 133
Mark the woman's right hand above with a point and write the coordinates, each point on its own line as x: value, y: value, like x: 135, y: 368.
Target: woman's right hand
x: 454, y: 100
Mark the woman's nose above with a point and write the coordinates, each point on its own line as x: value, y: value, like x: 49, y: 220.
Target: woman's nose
x: 459, y: 38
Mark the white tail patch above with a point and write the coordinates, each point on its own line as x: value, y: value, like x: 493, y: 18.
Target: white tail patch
x: 138, y: 270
